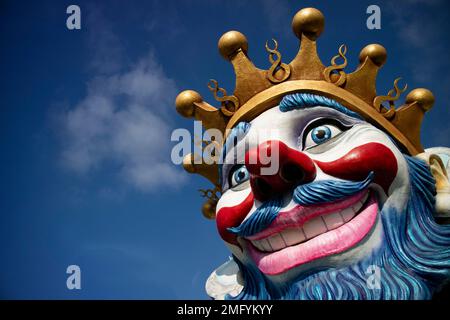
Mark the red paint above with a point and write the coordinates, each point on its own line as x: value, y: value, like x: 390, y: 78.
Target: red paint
x: 360, y: 161
x: 228, y: 217
x: 279, y: 156
x: 355, y: 165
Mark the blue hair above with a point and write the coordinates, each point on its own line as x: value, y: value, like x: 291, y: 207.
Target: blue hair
x: 414, y: 258
x: 308, y: 100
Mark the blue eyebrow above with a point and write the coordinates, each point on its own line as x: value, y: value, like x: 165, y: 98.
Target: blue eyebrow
x: 307, y: 100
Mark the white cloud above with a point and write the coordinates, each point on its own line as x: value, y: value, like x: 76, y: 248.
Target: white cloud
x: 121, y: 127
x: 123, y: 120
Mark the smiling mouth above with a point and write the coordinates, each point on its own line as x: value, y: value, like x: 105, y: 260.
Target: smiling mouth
x: 304, y: 234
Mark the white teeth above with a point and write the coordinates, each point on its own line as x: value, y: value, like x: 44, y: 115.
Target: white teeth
x: 258, y: 245
x: 266, y: 245
x: 347, y: 214
x: 293, y: 236
x: 333, y: 221
x: 310, y: 229
x: 276, y: 242
x: 314, y: 227
x: 262, y: 245
x: 284, y: 241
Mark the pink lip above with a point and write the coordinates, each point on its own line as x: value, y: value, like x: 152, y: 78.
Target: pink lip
x: 328, y: 243
x: 299, y: 215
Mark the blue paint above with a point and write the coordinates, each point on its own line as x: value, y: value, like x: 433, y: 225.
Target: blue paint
x: 307, y: 100
x: 259, y: 220
x: 329, y: 190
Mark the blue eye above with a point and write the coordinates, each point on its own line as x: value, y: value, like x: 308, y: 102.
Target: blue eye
x: 239, y: 176
x: 321, y: 134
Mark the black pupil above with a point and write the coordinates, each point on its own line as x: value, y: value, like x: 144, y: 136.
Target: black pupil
x: 320, y: 134
x: 241, y: 175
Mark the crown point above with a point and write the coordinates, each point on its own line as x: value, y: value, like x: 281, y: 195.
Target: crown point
x: 185, y: 102
x: 209, y: 209
x: 308, y: 21
x: 423, y: 97
x: 231, y: 42
x: 377, y: 53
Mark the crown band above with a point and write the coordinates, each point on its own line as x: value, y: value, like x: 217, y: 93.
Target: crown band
x: 273, y: 95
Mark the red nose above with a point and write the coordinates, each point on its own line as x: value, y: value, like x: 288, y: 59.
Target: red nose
x: 275, y: 169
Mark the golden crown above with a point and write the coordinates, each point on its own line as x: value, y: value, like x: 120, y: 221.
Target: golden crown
x: 257, y: 90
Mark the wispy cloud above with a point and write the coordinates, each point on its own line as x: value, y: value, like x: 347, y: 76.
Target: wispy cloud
x: 122, y: 120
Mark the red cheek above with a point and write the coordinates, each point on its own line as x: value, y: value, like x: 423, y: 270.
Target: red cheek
x: 360, y: 161
x: 228, y: 217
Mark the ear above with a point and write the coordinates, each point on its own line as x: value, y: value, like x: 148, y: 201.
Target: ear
x: 439, y: 161
x: 225, y: 280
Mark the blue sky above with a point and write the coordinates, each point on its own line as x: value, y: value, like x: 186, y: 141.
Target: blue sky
x: 86, y: 117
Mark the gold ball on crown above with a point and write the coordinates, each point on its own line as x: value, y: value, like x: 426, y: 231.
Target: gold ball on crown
x: 308, y: 21
x: 377, y: 53
x: 185, y: 102
x: 231, y: 42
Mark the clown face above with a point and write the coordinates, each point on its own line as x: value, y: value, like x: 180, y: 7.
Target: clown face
x: 317, y: 195
x: 318, y: 205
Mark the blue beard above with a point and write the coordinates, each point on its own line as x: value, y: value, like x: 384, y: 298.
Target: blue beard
x: 413, y: 259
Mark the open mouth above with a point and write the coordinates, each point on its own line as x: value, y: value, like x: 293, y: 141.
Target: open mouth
x: 304, y: 234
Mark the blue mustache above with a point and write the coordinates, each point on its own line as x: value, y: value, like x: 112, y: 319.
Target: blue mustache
x: 329, y: 190
x: 259, y: 220
x: 308, y: 194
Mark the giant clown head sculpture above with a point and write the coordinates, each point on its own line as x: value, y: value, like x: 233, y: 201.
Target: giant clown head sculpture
x: 322, y: 189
